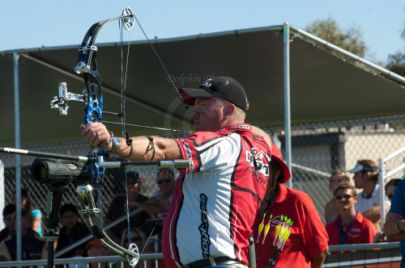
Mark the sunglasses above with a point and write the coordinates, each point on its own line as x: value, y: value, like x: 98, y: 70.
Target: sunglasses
x: 163, y: 181
x: 345, y: 196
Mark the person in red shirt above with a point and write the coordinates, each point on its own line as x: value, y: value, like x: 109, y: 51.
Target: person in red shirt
x: 215, y: 200
x: 288, y: 231
x: 350, y: 227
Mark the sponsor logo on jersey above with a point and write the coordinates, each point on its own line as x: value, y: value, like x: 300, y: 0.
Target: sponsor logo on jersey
x: 258, y: 160
x: 203, y: 228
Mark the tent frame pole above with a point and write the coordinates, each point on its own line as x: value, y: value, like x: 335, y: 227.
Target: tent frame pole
x: 287, y: 104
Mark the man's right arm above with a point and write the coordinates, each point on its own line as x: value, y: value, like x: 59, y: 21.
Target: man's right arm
x: 394, y: 227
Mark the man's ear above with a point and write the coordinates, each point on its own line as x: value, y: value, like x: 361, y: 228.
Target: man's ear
x: 229, y: 108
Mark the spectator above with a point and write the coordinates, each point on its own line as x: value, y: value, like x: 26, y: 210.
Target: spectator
x: 118, y: 207
x: 366, y: 178
x: 160, y: 200
x: 94, y: 248
x: 390, y: 187
x: 32, y: 245
x: 394, y: 227
x: 331, y: 208
x: 9, y: 221
x: 72, y: 231
x: 37, y: 225
x: 134, y: 186
x: 293, y: 212
x: 350, y: 227
x: 25, y: 200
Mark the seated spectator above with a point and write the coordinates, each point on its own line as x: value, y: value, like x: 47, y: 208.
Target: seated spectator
x: 94, y: 248
x: 160, y: 200
x: 9, y: 221
x: 32, y: 245
x: 292, y: 211
x: 366, y: 178
x: 134, y: 186
x: 390, y: 187
x: 331, y: 208
x: 389, y: 191
x: 118, y: 207
x: 394, y: 226
x: 350, y: 227
x: 25, y: 200
x: 72, y: 231
x: 37, y: 225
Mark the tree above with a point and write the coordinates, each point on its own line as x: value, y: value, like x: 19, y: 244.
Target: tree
x: 350, y: 40
x: 396, y: 61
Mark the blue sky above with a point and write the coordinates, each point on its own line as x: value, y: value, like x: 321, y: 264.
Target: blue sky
x: 27, y: 24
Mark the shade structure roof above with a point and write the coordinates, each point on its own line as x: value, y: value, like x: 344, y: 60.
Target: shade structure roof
x: 326, y: 82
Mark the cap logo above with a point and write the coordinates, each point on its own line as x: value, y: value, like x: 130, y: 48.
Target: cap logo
x: 208, y: 83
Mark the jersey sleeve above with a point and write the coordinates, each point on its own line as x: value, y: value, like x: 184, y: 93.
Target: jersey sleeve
x: 192, y: 147
x: 315, y: 235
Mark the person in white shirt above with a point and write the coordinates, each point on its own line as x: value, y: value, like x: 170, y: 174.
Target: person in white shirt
x: 366, y: 178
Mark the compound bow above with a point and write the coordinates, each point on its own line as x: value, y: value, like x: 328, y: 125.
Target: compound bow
x: 93, y: 98
x: 90, y: 170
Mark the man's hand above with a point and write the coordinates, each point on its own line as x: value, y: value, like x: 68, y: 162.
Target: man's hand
x: 97, y: 135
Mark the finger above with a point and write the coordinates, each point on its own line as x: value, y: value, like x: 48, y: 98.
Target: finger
x: 92, y: 139
x: 103, y: 138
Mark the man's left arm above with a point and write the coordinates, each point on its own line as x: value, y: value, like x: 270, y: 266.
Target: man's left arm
x: 141, y: 148
x: 315, y: 235
x: 373, y: 214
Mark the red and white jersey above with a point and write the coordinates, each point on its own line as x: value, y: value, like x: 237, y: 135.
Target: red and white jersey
x: 216, y: 200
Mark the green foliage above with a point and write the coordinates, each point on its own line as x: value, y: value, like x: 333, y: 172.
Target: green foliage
x: 396, y: 63
x: 350, y: 40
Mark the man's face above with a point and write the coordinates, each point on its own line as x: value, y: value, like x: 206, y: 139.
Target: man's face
x: 9, y: 221
x: 69, y: 219
x: 335, y: 180
x: 346, y: 200
x: 359, y: 179
x: 208, y: 114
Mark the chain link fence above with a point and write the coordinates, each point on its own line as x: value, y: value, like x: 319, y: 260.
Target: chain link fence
x: 317, y: 150
x: 112, y: 184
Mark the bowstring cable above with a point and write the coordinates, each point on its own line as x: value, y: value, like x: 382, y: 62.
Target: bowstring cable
x: 123, y: 116
x: 165, y: 69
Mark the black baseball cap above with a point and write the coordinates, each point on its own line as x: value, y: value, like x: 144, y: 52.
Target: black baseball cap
x: 223, y: 87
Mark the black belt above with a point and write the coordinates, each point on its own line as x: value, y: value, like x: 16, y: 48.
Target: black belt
x: 209, y: 262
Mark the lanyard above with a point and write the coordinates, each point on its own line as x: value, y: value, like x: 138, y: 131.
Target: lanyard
x: 344, y: 233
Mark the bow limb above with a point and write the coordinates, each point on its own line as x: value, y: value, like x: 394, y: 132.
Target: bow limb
x: 94, y: 100
x: 92, y: 217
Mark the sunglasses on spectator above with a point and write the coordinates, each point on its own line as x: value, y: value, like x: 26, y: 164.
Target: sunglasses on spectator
x: 163, y: 181
x: 344, y: 196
